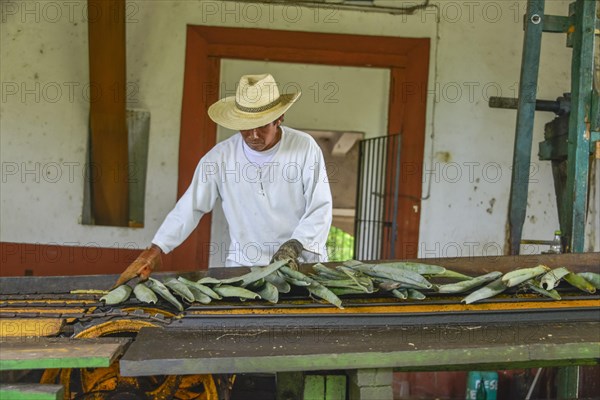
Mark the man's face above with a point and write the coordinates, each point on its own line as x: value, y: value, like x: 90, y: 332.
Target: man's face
x: 262, y: 138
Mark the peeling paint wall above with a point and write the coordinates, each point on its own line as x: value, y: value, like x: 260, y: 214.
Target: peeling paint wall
x: 476, y: 52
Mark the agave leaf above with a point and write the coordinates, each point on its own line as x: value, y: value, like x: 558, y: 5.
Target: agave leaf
x: 236, y: 291
x: 256, y: 285
x: 117, y: 295
x: 388, y: 285
x: 296, y: 282
x: 395, y: 274
x: 209, y: 280
x: 279, y: 282
x: 202, y: 288
x: 159, y: 288
x: 513, y: 278
x: 199, y: 296
x: 322, y: 292
x: 550, y: 279
x: 347, y: 283
x: 418, y: 268
x: 452, y: 275
x: 269, y: 292
x: 580, y: 283
x: 361, y: 280
x: 414, y: 294
x: 258, y: 273
x: 536, y: 287
x: 329, y: 273
x: 400, y: 293
x: 296, y: 278
x: 591, y: 277
x: 463, y: 286
x: 492, y: 289
x: 341, y: 291
x: 144, y: 294
x: 352, y: 263
x: 180, y: 289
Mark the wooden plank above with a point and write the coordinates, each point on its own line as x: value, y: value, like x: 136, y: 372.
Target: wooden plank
x: 335, y: 387
x: 411, y: 348
x: 23, y: 327
x: 108, y: 123
x: 30, y: 391
x: 42, y: 353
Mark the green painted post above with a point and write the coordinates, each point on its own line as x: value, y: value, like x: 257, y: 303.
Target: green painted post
x: 572, y: 218
x: 519, y: 186
x: 335, y: 387
x: 568, y: 383
x: 314, y: 387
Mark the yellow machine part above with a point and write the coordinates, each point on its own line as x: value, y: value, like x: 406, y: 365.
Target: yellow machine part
x: 30, y: 327
x: 101, y: 383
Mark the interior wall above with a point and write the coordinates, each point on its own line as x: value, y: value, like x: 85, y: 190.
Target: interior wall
x: 475, y: 53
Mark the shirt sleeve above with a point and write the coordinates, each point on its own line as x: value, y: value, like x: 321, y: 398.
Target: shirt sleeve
x: 198, y: 199
x: 313, y: 228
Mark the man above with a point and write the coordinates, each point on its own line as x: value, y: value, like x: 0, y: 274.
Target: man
x: 271, y: 180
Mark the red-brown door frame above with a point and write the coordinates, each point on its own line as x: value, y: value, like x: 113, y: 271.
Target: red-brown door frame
x: 407, y: 59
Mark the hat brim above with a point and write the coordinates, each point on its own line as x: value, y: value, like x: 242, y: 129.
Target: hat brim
x: 225, y: 113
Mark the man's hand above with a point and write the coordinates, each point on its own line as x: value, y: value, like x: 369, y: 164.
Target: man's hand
x: 147, y: 261
x: 289, y: 250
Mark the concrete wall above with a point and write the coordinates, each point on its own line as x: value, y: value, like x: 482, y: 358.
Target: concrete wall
x: 476, y: 52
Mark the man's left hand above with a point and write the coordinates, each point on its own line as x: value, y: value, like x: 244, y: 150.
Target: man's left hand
x: 289, y: 250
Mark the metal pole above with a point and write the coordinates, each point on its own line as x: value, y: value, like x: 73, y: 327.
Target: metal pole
x: 525, y: 118
x: 573, y: 215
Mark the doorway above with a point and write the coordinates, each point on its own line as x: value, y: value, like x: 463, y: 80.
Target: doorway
x: 407, y: 60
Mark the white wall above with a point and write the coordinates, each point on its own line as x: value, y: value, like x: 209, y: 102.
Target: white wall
x: 44, y: 111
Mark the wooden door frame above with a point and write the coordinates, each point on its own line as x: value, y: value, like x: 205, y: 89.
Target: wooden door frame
x: 406, y: 58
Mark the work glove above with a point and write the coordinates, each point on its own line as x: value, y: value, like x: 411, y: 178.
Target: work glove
x: 147, y: 261
x: 289, y: 250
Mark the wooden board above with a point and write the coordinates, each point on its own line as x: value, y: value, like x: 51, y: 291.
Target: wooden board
x: 42, y: 353
x: 30, y: 391
x: 280, y: 349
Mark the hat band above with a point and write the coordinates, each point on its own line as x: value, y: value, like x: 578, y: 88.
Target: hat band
x: 257, y: 109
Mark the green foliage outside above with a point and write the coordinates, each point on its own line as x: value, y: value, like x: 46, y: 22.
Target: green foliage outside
x: 340, y: 245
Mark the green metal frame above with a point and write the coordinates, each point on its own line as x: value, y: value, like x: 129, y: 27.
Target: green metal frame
x: 584, y: 124
x: 584, y: 119
x: 519, y: 186
x: 572, y: 217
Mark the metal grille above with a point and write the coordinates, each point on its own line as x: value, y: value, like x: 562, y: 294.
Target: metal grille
x: 377, y: 198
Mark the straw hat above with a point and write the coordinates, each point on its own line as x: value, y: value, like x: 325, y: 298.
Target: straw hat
x: 256, y: 103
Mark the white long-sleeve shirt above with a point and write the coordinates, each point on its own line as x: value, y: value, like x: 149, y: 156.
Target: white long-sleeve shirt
x: 287, y: 197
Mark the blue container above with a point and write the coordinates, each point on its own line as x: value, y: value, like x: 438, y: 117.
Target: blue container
x: 482, y: 385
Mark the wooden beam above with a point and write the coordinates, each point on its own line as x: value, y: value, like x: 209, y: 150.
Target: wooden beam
x: 461, y: 347
x: 30, y: 391
x: 41, y: 352
x: 108, y: 152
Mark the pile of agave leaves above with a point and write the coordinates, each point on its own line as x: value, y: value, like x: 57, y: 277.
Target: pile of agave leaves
x: 404, y: 280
